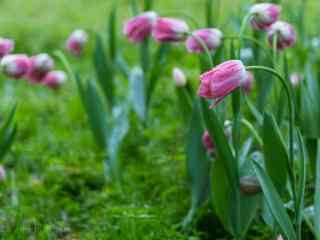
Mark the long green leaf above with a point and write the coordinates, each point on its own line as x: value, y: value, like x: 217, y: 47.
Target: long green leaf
x: 137, y: 92
x: 274, y: 202
x: 317, y: 197
x: 112, y: 34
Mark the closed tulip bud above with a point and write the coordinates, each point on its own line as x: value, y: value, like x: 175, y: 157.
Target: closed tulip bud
x: 295, y: 79
x: 170, y: 30
x: 207, y: 142
x: 40, y: 65
x: 3, y: 174
x: 263, y: 15
x: 179, y: 77
x: 76, y: 42
x: 284, y: 33
x: 140, y: 27
x: 6, y: 46
x: 210, y: 37
x: 220, y: 81
x: 54, y: 79
x: 247, y: 84
x: 15, y: 65
x: 249, y: 185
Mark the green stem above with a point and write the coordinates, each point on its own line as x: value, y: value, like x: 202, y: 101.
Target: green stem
x: 65, y: 63
x: 205, y: 48
x: 242, y: 29
x: 251, y: 128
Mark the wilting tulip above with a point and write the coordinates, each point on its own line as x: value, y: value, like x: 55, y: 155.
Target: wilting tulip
x: 15, y: 65
x: 6, y: 46
x: 247, y: 84
x: 207, y: 142
x: 170, y: 30
x: 179, y: 77
x: 210, y: 37
x: 140, y: 27
x: 220, y: 81
x: 54, y: 79
x: 76, y: 42
x: 284, y: 33
x: 40, y: 65
x: 263, y: 15
x: 2, y: 174
x: 249, y: 185
x: 295, y: 79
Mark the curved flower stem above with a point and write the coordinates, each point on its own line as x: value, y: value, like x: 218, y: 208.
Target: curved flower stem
x: 251, y: 128
x: 59, y: 54
x: 291, y: 122
x: 204, y: 46
x: 274, y: 49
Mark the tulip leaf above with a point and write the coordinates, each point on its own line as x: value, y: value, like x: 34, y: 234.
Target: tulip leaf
x: 137, y: 92
x: 8, y: 132
x: 185, y: 102
x: 317, y: 197
x: 274, y: 202
x: 112, y: 34
x: 104, y: 71
x: 275, y: 153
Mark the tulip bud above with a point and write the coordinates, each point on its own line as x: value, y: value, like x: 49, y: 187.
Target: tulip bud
x: 249, y: 185
x: 76, y: 42
x: 15, y: 65
x: 170, y: 30
x: 54, y: 79
x: 2, y: 174
x: 263, y: 15
x: 40, y: 65
x: 285, y: 34
x: 295, y: 79
x: 210, y: 37
x: 247, y: 84
x: 179, y: 77
x: 140, y: 27
x: 6, y: 46
x: 220, y: 81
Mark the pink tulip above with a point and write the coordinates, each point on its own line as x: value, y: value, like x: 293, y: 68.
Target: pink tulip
x: 220, y: 81
x: 15, y: 65
x: 179, y: 77
x: 76, y: 42
x: 170, y: 30
x: 3, y: 174
x: 247, y: 84
x: 211, y: 37
x: 295, y: 79
x: 207, y: 142
x: 54, y: 79
x: 285, y: 33
x: 41, y: 64
x: 6, y: 46
x: 263, y: 15
x: 140, y: 27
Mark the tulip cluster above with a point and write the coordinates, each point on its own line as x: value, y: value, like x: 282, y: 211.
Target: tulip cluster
x: 36, y: 69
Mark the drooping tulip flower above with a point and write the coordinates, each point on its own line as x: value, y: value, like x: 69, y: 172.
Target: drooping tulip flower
x: 6, y: 46
x: 211, y: 37
x: 179, y: 77
x: 15, y: 65
x: 295, y: 79
x: 284, y: 33
x: 247, y: 84
x: 170, y: 30
x: 140, y: 27
x: 54, y: 79
x: 40, y: 65
x: 249, y: 185
x: 3, y: 174
x: 263, y: 15
x: 76, y: 42
x: 220, y: 81
x: 207, y: 142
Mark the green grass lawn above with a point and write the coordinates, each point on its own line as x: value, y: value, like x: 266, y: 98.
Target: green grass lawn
x: 55, y: 187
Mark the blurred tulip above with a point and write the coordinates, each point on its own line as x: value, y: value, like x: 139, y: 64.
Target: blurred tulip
x: 140, y: 27
x: 3, y: 174
x: 6, y: 46
x: 263, y: 15
x: 211, y: 37
x: 179, y: 77
x: 295, y: 79
x: 279, y: 237
x: 76, y: 42
x: 54, y: 79
x: 249, y: 185
x: 15, y: 65
x: 170, y: 30
x: 247, y: 84
x: 40, y: 65
x: 220, y: 81
x: 285, y: 34
x: 246, y: 54
x: 207, y: 142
